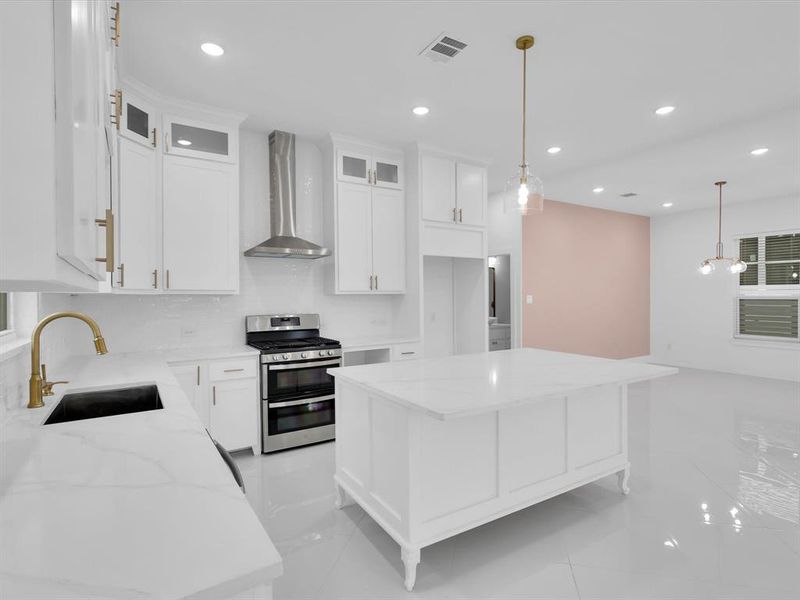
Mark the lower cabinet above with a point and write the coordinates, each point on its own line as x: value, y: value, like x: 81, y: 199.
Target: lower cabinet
x: 224, y: 393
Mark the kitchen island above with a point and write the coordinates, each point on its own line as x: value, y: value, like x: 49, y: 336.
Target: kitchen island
x: 433, y: 447
x: 137, y: 505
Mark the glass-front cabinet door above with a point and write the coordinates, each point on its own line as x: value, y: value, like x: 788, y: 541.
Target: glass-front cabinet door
x: 353, y: 167
x: 138, y: 120
x: 387, y: 172
x: 197, y: 139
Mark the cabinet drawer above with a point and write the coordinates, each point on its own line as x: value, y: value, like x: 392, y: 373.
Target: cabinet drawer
x: 499, y: 333
x: 237, y: 368
x: 499, y: 345
x: 407, y: 351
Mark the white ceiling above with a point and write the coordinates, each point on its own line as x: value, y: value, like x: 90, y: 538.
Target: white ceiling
x: 596, y: 73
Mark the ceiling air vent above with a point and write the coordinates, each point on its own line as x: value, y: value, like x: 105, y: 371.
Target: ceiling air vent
x: 629, y: 194
x: 443, y: 49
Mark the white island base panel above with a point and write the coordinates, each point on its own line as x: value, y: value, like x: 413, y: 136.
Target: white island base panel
x: 424, y: 479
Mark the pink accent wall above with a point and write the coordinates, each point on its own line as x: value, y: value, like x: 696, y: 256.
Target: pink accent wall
x: 588, y: 270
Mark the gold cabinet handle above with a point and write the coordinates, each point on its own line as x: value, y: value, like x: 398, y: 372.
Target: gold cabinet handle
x: 198, y: 374
x: 108, y: 223
x: 116, y: 101
x: 167, y: 278
x: 460, y: 215
x: 121, y: 274
x: 116, y: 24
x: 455, y: 214
x: 232, y: 370
x: 214, y: 395
x: 376, y: 282
x: 155, y: 278
x: 370, y: 282
x: 155, y: 137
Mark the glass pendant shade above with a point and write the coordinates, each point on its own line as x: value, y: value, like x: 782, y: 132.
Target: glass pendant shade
x: 732, y: 265
x: 525, y: 190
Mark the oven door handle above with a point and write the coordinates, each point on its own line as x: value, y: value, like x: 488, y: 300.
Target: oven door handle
x: 299, y: 402
x: 304, y: 365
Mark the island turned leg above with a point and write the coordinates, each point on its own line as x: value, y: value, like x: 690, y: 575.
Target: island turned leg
x: 622, y: 480
x: 342, y: 497
x: 410, y: 558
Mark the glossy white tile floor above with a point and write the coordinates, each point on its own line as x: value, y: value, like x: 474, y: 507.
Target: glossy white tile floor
x: 714, y: 512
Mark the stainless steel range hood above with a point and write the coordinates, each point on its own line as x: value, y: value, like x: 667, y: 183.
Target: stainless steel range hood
x: 284, y: 242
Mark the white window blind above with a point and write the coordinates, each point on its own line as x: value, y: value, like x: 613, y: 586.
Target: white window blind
x: 768, y: 318
x: 769, y: 290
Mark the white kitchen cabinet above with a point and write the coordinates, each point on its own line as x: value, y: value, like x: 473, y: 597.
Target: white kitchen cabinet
x: 370, y: 250
x: 224, y: 393
x: 189, y: 378
x: 471, y: 194
x: 453, y: 191
x: 201, y: 224
x: 138, y: 218
x: 354, y: 238
x: 200, y: 139
x: 367, y: 224
x: 138, y: 119
x: 234, y: 423
x: 387, y: 171
x: 353, y: 167
x: 438, y: 178
x: 388, y: 240
x: 54, y: 144
x: 370, y: 167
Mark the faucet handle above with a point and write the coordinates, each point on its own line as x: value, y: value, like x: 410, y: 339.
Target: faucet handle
x: 47, y: 387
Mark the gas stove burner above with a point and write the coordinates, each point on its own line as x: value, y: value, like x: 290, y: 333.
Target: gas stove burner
x: 310, y: 343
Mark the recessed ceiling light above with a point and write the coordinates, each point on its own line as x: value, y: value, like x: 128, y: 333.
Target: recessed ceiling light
x: 420, y: 110
x: 664, y: 110
x: 599, y: 189
x: 184, y: 142
x: 553, y: 150
x: 759, y: 151
x: 212, y: 49
x: 667, y: 204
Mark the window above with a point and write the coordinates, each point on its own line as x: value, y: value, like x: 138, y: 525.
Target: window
x: 4, y: 318
x: 768, y: 306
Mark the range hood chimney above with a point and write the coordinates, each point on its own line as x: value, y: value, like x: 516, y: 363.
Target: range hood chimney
x: 284, y: 242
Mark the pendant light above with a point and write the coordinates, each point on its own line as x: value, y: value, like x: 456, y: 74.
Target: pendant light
x: 524, y: 185
x: 709, y: 265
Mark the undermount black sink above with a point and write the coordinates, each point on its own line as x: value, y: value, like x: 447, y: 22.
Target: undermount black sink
x: 105, y: 403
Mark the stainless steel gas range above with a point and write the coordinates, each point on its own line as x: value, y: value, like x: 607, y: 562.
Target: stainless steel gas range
x: 297, y: 394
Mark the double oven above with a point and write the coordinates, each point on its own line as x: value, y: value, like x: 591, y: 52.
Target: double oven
x: 297, y: 394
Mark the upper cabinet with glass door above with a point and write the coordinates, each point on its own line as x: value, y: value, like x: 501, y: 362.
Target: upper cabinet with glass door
x: 370, y: 166
x: 138, y: 119
x: 198, y: 139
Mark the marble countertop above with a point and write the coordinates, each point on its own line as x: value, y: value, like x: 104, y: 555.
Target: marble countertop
x: 456, y: 386
x: 128, y: 506
x: 350, y: 344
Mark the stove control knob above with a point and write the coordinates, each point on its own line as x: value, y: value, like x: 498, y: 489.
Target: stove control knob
x: 304, y: 355
x: 322, y: 352
x: 285, y: 357
x: 330, y: 352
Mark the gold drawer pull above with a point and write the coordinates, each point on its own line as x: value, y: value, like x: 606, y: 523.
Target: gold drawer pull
x: 232, y: 370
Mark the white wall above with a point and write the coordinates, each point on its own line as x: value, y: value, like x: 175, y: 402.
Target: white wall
x: 133, y: 323
x: 692, y: 316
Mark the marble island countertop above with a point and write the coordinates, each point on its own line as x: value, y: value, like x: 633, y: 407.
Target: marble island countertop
x: 129, y: 506
x: 469, y: 384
